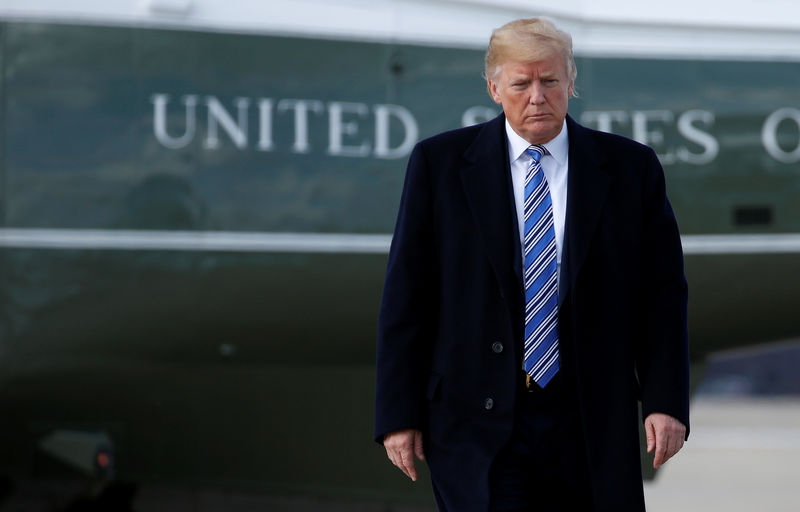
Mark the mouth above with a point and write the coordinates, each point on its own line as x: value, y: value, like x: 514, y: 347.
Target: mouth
x: 538, y: 115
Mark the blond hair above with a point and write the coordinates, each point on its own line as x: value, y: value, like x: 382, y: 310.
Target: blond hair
x: 527, y: 40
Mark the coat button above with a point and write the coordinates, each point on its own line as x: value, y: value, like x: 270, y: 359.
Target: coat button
x: 497, y: 347
x: 488, y: 404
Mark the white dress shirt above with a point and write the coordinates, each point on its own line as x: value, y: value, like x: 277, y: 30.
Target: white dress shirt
x: 554, y: 166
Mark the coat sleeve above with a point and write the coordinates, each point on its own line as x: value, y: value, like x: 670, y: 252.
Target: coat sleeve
x: 406, y: 322
x: 663, y: 358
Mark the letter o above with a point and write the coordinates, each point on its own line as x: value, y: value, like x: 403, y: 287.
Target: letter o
x: 769, y: 135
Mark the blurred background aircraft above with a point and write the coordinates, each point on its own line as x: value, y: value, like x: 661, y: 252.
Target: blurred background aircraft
x: 197, y: 200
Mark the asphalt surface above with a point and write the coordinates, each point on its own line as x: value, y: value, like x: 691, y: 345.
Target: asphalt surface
x: 742, y: 455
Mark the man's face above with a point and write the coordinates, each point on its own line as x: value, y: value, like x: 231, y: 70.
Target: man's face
x: 534, y: 96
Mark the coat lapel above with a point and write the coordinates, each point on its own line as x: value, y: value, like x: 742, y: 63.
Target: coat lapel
x: 487, y: 185
x: 587, y: 188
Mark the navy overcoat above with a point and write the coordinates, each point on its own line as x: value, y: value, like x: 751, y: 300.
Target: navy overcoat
x: 453, y: 297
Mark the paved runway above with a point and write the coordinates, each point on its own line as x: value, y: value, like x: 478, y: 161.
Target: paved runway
x: 742, y: 455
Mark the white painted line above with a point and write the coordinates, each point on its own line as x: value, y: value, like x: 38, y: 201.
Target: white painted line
x: 346, y: 243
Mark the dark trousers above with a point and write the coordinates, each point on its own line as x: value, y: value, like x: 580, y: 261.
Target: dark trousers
x: 543, y: 467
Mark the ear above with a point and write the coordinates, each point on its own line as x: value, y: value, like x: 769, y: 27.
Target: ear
x: 494, y: 93
x: 571, y: 89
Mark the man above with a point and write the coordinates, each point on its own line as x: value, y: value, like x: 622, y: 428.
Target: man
x: 534, y: 294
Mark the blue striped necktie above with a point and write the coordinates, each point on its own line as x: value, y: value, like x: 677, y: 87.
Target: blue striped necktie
x: 541, y: 359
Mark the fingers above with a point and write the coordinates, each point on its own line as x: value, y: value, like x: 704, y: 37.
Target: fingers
x: 665, y: 434
x: 398, y: 449
x: 392, y: 454
x: 661, y: 448
x: 407, y: 459
x: 670, y: 447
x: 675, y: 433
x: 401, y: 446
x: 676, y: 437
x: 651, y: 434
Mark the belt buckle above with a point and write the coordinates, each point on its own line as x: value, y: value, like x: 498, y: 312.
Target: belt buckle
x: 529, y: 383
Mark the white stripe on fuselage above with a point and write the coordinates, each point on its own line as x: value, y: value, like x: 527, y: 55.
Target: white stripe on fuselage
x: 226, y: 241
x: 346, y: 243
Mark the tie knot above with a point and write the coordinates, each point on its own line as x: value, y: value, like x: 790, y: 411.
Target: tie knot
x: 536, y: 152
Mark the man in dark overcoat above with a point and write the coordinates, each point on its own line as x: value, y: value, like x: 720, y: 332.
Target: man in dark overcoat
x: 534, y: 299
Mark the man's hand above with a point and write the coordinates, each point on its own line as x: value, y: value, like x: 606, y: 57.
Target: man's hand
x: 401, y: 446
x: 665, y: 434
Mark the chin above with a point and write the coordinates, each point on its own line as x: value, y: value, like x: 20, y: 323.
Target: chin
x: 541, y: 135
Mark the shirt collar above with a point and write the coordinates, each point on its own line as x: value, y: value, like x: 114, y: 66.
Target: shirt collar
x: 558, y: 147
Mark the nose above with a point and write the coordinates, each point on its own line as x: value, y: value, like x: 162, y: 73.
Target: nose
x: 537, y: 93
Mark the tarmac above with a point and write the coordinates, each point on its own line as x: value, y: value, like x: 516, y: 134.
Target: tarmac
x: 742, y: 455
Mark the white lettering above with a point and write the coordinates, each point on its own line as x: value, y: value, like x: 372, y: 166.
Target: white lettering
x: 338, y: 128
x: 383, y: 115
x: 301, y: 108
x: 479, y: 114
x: 640, y: 121
x: 348, y: 130
x: 236, y: 130
x: 604, y: 120
x: 160, y: 102
x: 769, y: 135
x: 265, y: 125
x: 687, y: 128
x: 641, y: 131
